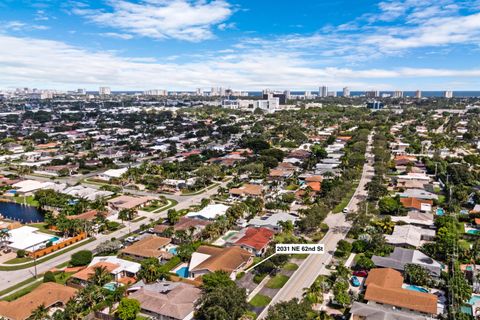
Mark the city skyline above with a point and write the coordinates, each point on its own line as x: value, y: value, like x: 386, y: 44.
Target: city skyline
x: 181, y: 45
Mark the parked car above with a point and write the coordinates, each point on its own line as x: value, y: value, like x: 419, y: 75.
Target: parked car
x: 355, y: 281
x: 360, y: 273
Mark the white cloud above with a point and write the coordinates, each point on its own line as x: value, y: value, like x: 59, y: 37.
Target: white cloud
x: 158, y: 19
x: 46, y: 63
x: 20, y: 26
x: 123, y: 36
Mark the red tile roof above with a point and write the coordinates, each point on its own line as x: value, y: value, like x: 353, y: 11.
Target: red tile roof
x: 256, y: 238
x: 414, y: 202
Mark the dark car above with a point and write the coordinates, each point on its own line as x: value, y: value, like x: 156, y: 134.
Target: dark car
x: 360, y: 273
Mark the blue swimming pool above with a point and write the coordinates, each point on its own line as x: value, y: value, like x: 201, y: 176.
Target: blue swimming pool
x: 54, y: 239
x: 182, y: 272
x: 416, y: 288
x: 473, y: 300
x: 473, y: 231
x: 173, y: 251
x: 440, y: 212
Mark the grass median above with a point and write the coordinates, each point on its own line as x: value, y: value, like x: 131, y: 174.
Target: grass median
x: 49, y: 257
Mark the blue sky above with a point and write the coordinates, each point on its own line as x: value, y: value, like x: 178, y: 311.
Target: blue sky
x: 251, y: 45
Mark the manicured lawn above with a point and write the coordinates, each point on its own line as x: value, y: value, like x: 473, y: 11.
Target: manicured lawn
x: 260, y: 301
x: 48, y: 257
x: 290, y: 266
x: 300, y: 255
x: 154, y: 206
x: 42, y: 227
x: 18, y: 260
x: 30, y: 200
x: 62, y: 277
x: 277, y: 282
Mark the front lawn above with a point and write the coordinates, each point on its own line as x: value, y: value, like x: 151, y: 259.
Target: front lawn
x: 290, y: 266
x: 42, y: 227
x: 30, y: 200
x: 277, y: 282
x: 260, y: 301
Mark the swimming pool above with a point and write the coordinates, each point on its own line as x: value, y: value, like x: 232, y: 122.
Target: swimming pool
x: 440, y: 212
x: 473, y: 231
x: 473, y: 300
x: 173, y: 251
x: 182, y: 272
x: 111, y: 286
x: 416, y: 288
x: 54, y: 239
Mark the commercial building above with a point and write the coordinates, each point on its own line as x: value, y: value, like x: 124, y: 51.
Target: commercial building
x: 346, y: 92
x: 104, y: 91
x: 448, y: 94
x: 323, y: 91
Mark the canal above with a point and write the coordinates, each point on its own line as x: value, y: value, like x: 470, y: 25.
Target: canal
x: 19, y: 212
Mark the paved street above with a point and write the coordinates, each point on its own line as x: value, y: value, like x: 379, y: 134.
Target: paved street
x: 314, y: 264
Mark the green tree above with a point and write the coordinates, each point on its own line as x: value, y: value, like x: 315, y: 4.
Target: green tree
x: 151, y: 270
x: 217, y: 279
x: 222, y: 303
x: 81, y: 258
x: 289, y: 310
x: 417, y: 275
x: 100, y: 276
x: 49, y: 277
x: 128, y: 309
x: 40, y: 313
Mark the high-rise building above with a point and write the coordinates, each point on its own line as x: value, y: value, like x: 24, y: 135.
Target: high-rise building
x: 104, y: 91
x: 372, y: 94
x: 448, y: 94
x: 199, y: 92
x: 287, y: 94
x: 332, y: 93
x: 398, y: 94
x: 418, y: 94
x: 156, y: 92
x: 323, y: 91
x: 346, y: 92
x: 81, y: 91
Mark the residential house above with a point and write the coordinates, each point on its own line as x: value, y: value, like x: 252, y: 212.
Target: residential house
x: 416, y: 218
x: 121, y: 270
x: 207, y: 259
x: 254, y: 240
x: 148, y: 247
x: 417, y: 204
x: 128, y: 202
x: 166, y: 300
x: 363, y: 311
x: 49, y: 294
x: 191, y: 225
x: 112, y: 174
x: 385, y: 287
x: 408, y: 235
x: 419, y: 194
x: 400, y: 257
x: 271, y: 221
x: 210, y: 212
x: 247, y: 190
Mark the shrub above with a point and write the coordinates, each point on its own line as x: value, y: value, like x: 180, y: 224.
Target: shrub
x: 49, y: 277
x: 21, y: 253
x: 81, y: 258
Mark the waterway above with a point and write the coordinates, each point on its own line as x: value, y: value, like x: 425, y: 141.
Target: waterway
x: 19, y: 212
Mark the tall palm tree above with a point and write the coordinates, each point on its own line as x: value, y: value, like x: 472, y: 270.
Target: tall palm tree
x: 4, y: 236
x: 100, y: 276
x: 40, y: 313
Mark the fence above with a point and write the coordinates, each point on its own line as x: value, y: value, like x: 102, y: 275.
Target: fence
x: 58, y: 246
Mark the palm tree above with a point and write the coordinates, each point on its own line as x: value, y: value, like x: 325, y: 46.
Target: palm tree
x: 100, y: 276
x: 40, y: 313
x: 149, y: 270
x: 4, y: 236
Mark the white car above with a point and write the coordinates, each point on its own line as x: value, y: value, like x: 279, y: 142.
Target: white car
x: 345, y: 210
